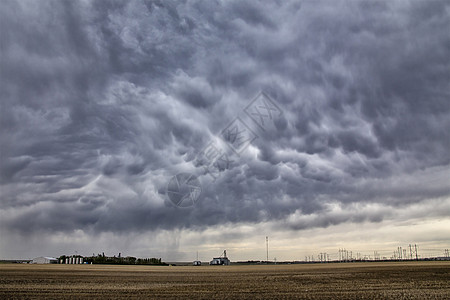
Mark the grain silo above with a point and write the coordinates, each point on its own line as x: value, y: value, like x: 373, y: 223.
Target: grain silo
x: 221, y: 260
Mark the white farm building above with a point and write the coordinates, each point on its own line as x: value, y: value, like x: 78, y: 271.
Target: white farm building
x: 221, y: 260
x: 44, y: 260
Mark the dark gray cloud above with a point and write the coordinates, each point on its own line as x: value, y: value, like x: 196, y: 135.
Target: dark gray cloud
x: 103, y: 102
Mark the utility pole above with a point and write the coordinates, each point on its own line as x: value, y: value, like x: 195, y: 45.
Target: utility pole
x: 417, y: 256
x: 267, y: 249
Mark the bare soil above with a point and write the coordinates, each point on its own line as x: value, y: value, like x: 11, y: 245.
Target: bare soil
x: 393, y: 280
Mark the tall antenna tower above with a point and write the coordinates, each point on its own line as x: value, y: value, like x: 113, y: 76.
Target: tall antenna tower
x: 267, y: 249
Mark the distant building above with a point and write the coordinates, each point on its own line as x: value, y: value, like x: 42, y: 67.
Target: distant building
x: 197, y: 263
x: 221, y: 260
x: 44, y: 260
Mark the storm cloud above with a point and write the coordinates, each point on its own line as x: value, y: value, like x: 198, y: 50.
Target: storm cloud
x: 102, y: 102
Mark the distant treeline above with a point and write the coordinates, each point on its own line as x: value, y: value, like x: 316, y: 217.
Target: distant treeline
x: 129, y: 260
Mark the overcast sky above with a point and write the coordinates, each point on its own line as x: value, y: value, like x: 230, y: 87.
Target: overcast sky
x: 103, y: 102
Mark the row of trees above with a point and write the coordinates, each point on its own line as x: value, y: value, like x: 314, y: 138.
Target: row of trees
x: 129, y: 260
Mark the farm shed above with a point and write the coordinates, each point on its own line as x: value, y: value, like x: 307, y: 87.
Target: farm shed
x: 44, y: 260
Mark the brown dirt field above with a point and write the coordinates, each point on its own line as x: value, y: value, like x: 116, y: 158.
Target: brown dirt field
x: 396, y: 280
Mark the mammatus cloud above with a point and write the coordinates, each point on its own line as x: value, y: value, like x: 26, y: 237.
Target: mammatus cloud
x: 103, y: 102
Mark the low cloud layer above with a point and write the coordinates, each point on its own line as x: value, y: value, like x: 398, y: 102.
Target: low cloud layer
x: 102, y: 102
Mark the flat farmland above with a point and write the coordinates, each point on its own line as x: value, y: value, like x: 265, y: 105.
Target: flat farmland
x: 391, y: 280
